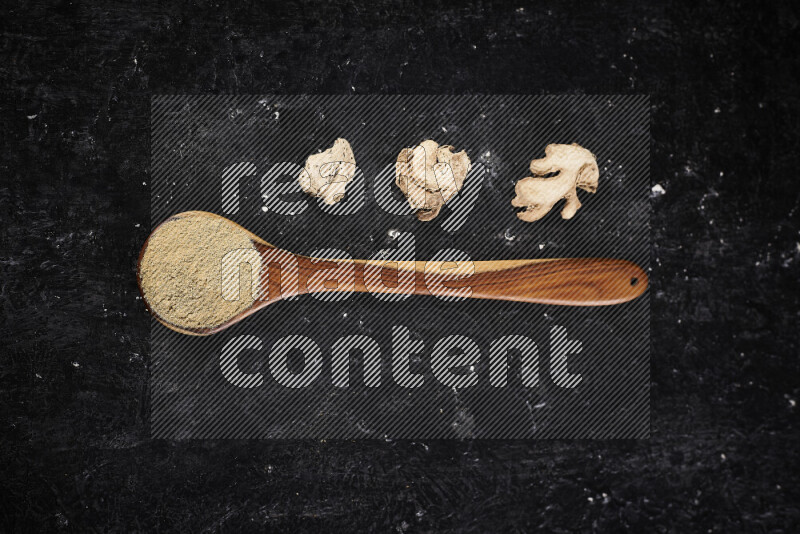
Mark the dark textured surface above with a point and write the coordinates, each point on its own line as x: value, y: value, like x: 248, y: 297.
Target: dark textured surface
x: 195, y: 139
x: 76, y: 84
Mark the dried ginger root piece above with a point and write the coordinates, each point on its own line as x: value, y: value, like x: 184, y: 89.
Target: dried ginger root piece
x: 576, y: 167
x: 429, y: 175
x: 326, y: 174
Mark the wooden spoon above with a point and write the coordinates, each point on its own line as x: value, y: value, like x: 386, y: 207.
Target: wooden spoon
x: 180, y: 275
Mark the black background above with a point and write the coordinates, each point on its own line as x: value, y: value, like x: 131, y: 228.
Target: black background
x: 195, y: 139
x: 76, y: 85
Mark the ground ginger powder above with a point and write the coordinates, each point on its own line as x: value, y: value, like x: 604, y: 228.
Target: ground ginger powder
x: 181, y: 271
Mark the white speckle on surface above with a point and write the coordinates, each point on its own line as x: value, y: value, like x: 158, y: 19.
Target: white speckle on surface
x: 541, y: 246
x: 75, y: 365
x: 509, y: 236
x: 657, y: 190
x: 717, y: 110
x: 62, y: 520
x: 264, y: 209
x: 444, y: 129
x: 393, y: 233
x: 539, y: 406
x: 277, y: 115
x: 723, y: 457
x: 31, y: 117
x: 38, y: 375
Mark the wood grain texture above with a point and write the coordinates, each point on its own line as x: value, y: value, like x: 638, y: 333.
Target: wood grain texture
x: 558, y: 281
x: 568, y: 282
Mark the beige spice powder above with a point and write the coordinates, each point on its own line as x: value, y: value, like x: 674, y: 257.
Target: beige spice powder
x: 181, y: 271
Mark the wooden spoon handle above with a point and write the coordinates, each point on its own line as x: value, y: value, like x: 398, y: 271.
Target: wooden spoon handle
x: 568, y: 282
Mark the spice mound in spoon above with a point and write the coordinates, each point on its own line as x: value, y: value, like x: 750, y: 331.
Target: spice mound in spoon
x: 181, y: 271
